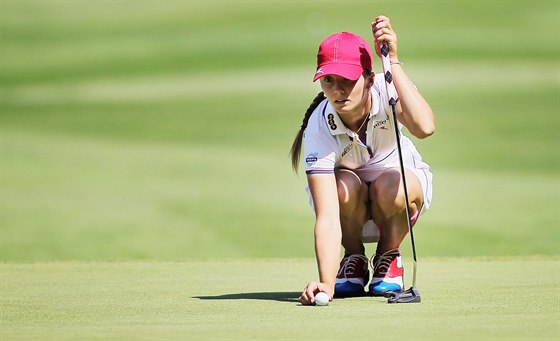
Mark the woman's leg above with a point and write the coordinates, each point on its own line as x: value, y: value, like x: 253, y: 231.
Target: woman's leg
x: 353, y: 202
x: 353, y: 273
x: 389, y: 209
x: 389, y: 212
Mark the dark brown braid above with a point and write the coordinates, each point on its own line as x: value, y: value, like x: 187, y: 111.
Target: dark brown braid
x: 295, y: 151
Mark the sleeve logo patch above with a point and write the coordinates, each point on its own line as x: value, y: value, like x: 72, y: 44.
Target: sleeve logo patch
x: 311, y: 159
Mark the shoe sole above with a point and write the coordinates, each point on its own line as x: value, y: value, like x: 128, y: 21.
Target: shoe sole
x: 348, y: 289
x: 387, y: 287
x: 377, y: 293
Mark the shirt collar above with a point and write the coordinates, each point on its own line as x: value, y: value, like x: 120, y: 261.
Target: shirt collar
x: 334, y: 122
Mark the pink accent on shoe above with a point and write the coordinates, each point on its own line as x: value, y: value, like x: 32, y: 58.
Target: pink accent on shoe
x: 414, y: 217
x: 388, y: 266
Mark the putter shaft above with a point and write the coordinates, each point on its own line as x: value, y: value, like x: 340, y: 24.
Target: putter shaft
x: 401, y: 163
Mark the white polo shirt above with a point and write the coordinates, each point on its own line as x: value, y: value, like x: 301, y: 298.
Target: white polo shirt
x: 328, y: 143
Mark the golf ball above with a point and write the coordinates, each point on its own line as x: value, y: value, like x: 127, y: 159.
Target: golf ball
x: 321, y: 299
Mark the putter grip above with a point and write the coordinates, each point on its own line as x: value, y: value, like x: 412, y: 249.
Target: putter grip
x: 391, y: 90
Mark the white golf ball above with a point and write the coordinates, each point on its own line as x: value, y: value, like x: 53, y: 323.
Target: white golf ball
x: 321, y: 299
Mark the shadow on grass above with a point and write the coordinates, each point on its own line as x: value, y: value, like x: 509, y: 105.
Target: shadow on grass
x: 265, y: 296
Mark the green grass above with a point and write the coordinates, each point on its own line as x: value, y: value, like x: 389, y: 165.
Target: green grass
x: 87, y: 210
x: 165, y: 136
x: 462, y: 299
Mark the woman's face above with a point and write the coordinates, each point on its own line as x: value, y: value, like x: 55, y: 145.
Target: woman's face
x: 347, y: 96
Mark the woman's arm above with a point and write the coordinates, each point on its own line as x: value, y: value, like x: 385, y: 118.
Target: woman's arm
x: 328, y: 234
x: 412, y: 109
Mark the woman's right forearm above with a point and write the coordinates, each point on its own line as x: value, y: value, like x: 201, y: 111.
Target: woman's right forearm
x: 328, y: 237
x: 328, y: 234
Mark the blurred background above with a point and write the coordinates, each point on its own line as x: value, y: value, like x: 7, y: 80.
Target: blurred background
x: 161, y: 130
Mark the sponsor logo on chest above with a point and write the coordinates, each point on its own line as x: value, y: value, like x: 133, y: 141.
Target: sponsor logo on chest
x: 346, y: 149
x: 381, y: 124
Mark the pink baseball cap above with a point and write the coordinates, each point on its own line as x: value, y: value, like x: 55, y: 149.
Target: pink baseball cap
x: 343, y: 54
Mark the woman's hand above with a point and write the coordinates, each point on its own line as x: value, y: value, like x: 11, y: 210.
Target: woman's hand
x: 383, y: 33
x: 313, y: 288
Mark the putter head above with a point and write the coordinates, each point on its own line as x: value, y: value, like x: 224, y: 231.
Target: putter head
x: 411, y: 295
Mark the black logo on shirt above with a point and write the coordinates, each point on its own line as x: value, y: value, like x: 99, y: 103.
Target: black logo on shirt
x: 331, y: 121
x: 346, y: 149
x: 380, y: 123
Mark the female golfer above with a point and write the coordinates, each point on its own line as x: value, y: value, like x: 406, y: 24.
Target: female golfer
x: 352, y: 164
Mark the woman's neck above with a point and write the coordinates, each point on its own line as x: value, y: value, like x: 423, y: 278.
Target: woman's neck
x: 356, y: 121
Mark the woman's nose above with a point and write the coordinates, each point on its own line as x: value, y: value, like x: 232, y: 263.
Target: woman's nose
x: 338, y: 87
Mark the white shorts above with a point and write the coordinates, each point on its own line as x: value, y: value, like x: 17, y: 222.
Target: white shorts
x: 369, y: 172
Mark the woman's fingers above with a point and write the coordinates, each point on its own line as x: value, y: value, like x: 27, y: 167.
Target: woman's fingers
x: 307, y: 297
x: 308, y: 293
x: 383, y: 33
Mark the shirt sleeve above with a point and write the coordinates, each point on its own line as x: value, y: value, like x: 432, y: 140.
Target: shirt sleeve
x: 320, y: 146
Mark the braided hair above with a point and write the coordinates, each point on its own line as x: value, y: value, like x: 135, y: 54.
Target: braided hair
x: 295, y: 151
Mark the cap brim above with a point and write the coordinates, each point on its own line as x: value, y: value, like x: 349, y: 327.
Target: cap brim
x: 348, y: 71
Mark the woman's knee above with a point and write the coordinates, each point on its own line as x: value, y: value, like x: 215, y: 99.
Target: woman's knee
x: 387, y: 191
x: 350, y: 187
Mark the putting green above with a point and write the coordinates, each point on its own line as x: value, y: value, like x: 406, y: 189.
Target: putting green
x: 470, y: 298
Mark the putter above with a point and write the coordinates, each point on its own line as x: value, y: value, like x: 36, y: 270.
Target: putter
x: 411, y: 295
